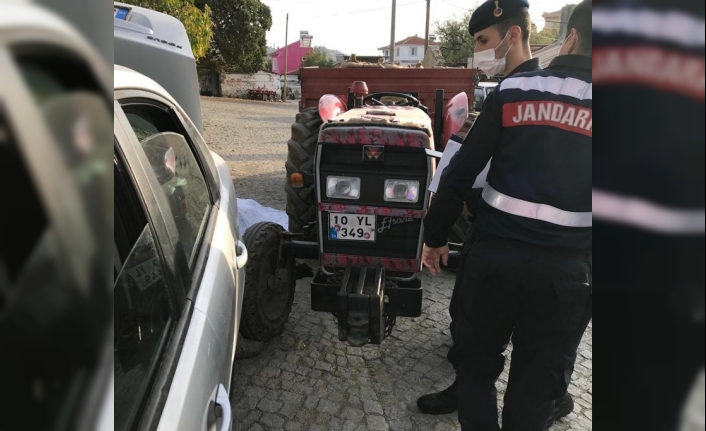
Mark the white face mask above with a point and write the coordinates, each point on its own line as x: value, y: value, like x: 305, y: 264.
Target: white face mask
x: 486, y: 61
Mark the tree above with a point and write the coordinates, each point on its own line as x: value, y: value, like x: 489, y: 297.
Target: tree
x: 545, y: 37
x: 455, y: 43
x: 239, y: 41
x: 197, y: 21
x: 317, y: 57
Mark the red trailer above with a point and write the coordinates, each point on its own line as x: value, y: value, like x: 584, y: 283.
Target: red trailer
x: 420, y: 83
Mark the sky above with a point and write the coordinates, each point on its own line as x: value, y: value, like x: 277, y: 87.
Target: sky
x: 362, y: 26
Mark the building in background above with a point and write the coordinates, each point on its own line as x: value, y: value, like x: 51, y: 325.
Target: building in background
x: 295, y: 54
x: 556, y: 20
x: 552, y: 20
x: 410, y: 51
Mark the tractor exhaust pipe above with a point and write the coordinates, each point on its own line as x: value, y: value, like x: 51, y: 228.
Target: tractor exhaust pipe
x: 359, y: 90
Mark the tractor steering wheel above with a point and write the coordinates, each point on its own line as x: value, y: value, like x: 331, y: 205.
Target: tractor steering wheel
x: 409, y: 99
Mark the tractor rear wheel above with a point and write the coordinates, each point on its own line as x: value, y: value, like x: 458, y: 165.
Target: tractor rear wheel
x: 301, y: 149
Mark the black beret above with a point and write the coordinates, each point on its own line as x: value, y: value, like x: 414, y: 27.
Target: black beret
x: 492, y: 12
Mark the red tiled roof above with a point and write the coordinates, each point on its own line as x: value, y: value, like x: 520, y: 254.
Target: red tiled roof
x: 411, y: 40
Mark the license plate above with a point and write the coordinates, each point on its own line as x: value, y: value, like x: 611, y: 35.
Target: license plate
x: 351, y: 227
x: 146, y: 274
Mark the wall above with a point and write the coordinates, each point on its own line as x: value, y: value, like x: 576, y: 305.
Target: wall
x: 552, y: 20
x: 209, y: 83
x: 293, y: 84
x: 237, y: 85
x: 295, y: 54
x: 405, y: 57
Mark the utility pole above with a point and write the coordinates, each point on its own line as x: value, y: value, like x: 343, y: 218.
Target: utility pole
x: 286, y: 58
x: 392, y: 32
x: 426, y: 35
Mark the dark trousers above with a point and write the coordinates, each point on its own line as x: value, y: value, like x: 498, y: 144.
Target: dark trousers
x: 652, y: 319
x: 453, y: 305
x: 542, y: 299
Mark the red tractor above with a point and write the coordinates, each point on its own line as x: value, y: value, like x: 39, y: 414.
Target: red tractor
x: 433, y: 88
x: 359, y: 165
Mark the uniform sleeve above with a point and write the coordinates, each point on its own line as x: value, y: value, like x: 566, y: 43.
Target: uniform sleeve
x: 458, y: 178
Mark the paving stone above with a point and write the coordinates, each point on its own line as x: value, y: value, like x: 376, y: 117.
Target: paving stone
x: 295, y: 376
x: 352, y: 414
x: 377, y: 423
x: 372, y: 407
x: 330, y: 407
x: 272, y: 420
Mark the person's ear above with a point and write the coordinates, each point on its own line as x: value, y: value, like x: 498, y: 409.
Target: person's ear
x: 573, y: 41
x: 570, y: 44
x: 515, y: 35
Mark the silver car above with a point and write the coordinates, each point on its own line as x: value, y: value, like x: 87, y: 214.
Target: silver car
x: 178, y: 261
x: 179, y: 266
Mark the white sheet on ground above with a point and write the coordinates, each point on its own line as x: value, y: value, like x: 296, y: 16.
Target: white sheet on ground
x: 251, y: 212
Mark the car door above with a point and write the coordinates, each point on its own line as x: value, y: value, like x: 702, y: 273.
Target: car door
x: 183, y: 181
x: 148, y: 294
x: 55, y: 305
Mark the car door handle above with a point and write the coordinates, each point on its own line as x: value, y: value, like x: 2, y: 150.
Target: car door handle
x: 223, y: 401
x: 241, y: 255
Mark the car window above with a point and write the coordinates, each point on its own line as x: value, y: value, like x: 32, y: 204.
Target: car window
x: 22, y: 207
x: 79, y: 118
x: 177, y: 170
x: 142, y: 325
x: 478, y: 98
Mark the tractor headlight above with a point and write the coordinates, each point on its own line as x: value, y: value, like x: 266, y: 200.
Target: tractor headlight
x: 402, y: 191
x: 343, y: 187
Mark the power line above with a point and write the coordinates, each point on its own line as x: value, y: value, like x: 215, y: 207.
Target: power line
x: 369, y: 10
x: 456, y: 6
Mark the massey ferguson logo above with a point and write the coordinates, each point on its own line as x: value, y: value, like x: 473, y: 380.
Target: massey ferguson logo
x: 373, y: 153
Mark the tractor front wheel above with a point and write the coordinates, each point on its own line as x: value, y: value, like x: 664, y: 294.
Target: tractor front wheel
x: 269, y: 283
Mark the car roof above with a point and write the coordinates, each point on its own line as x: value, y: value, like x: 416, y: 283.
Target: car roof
x: 127, y: 79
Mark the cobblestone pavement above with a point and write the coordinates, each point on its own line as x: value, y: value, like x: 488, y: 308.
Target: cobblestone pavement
x: 252, y: 137
x: 306, y: 379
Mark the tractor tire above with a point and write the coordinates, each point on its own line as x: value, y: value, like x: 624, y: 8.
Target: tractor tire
x: 301, y: 149
x: 269, y: 287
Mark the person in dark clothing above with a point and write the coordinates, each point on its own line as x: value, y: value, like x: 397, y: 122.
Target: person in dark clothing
x: 527, y: 274
x: 648, y: 207
x: 489, y: 31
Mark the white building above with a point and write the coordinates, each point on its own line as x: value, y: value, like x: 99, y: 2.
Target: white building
x: 410, y: 50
